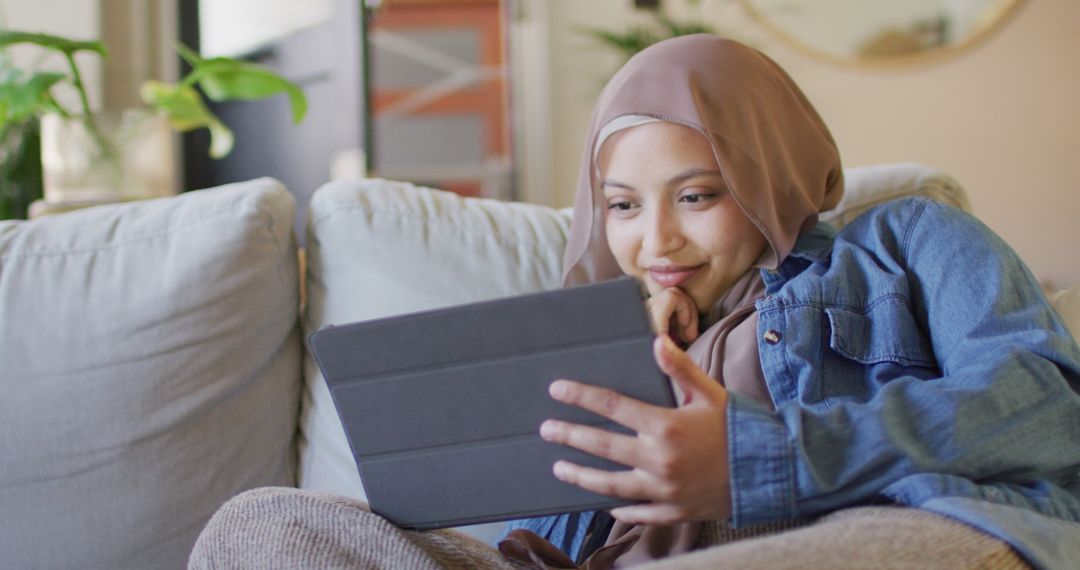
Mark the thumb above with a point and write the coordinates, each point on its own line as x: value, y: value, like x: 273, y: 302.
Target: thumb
x: 690, y: 378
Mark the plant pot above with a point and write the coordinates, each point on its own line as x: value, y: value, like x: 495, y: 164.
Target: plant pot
x: 116, y: 157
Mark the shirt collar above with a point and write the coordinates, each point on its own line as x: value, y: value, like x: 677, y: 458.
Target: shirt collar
x: 811, y: 247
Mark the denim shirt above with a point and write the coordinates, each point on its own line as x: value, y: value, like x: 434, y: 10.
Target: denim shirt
x: 912, y: 359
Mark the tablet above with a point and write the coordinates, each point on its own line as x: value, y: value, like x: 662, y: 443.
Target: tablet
x: 442, y: 409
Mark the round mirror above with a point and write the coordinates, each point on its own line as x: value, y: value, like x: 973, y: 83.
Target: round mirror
x: 881, y: 31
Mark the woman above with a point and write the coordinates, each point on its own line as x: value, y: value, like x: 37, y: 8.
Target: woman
x: 905, y: 360
x: 907, y: 366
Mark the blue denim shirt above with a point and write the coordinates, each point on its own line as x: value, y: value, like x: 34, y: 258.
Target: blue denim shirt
x: 918, y: 362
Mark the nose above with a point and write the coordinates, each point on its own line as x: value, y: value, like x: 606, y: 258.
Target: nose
x: 663, y: 234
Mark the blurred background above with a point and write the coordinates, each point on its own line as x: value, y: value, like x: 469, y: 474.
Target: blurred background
x: 491, y: 98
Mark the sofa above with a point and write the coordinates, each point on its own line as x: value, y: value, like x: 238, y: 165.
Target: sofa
x: 152, y: 355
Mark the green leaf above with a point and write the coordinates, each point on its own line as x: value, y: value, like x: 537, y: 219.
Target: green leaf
x: 675, y: 29
x: 51, y: 105
x: 221, y: 139
x: 23, y: 99
x: 637, y: 38
x: 57, y: 43
x: 186, y: 111
x: 193, y: 59
x: 224, y: 79
x: 180, y: 103
x: 629, y: 42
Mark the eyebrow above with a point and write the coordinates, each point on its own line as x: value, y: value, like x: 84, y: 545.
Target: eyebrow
x: 688, y: 174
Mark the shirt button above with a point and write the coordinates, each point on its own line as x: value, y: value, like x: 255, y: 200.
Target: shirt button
x: 772, y: 337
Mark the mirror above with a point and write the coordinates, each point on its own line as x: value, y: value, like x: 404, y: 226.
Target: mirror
x: 881, y: 31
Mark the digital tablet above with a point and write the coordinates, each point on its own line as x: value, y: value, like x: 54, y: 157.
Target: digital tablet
x: 442, y: 409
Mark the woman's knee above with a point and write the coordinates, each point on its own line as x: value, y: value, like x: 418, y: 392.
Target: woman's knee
x: 257, y: 523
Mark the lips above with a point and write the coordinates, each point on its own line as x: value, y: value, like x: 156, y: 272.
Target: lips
x: 672, y: 275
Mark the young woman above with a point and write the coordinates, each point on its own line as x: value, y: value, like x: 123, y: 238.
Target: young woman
x: 900, y: 391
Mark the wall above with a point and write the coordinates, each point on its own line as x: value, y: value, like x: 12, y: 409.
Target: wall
x: 999, y: 117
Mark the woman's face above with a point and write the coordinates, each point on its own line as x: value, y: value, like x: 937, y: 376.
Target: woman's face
x: 671, y: 221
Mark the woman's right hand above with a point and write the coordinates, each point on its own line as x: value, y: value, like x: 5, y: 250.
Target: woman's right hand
x: 674, y: 313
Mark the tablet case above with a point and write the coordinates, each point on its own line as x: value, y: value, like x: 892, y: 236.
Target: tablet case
x: 442, y: 408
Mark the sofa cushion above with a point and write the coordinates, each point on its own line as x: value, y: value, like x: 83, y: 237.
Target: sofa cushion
x: 1067, y: 304
x: 151, y: 371
x: 869, y: 186
x: 377, y: 248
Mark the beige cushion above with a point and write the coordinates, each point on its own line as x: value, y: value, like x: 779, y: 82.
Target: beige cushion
x: 151, y: 371
x: 377, y: 248
x: 869, y: 186
x: 1067, y: 304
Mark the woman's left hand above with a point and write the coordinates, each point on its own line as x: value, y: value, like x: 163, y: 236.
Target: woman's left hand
x: 678, y: 459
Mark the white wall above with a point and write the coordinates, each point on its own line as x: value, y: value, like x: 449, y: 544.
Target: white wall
x: 1000, y: 117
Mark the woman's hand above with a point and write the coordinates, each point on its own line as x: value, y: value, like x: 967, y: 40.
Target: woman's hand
x: 678, y: 459
x: 674, y: 313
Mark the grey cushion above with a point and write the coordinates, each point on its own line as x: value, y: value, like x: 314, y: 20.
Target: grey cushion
x: 149, y: 371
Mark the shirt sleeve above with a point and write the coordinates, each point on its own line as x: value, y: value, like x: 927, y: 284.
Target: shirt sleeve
x: 1005, y: 407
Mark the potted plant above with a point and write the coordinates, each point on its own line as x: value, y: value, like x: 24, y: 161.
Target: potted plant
x: 90, y: 156
x: 22, y: 98
x: 638, y: 37
x: 658, y: 25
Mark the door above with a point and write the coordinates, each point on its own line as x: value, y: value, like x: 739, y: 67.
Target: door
x: 440, y: 95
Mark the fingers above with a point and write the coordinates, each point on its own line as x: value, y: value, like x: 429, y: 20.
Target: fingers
x: 660, y: 315
x: 632, y: 485
x: 658, y: 497
x: 602, y: 443
x: 687, y: 317
x: 673, y: 313
x: 652, y: 513
x: 634, y: 414
x: 677, y: 460
x: 691, y: 379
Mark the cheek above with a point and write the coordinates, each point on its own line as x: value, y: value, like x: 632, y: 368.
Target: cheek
x: 747, y: 251
x: 731, y: 237
x: 622, y: 243
x: 752, y: 242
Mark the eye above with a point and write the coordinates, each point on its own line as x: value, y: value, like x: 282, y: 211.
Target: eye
x: 698, y: 197
x: 621, y: 205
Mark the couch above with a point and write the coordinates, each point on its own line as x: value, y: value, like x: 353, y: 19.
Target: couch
x: 152, y: 361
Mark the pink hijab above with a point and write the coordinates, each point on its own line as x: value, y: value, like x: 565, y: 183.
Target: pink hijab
x: 776, y: 154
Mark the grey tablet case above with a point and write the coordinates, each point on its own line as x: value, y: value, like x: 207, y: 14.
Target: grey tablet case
x: 442, y: 408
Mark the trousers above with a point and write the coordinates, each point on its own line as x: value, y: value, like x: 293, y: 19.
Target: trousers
x: 286, y: 528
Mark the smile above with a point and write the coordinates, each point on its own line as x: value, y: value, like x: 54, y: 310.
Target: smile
x: 672, y: 275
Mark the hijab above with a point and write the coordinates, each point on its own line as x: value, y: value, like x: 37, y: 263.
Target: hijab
x: 779, y: 161
x: 775, y: 153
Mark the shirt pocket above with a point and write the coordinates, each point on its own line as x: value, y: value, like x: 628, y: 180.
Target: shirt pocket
x: 870, y: 346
